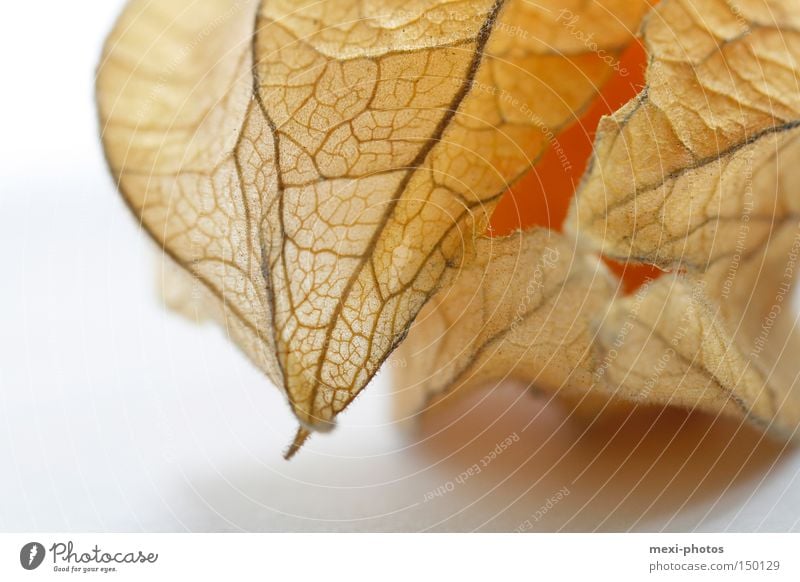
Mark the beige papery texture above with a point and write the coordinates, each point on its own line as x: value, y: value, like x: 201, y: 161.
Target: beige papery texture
x: 534, y: 307
x: 712, y: 137
x: 527, y: 306
x: 698, y: 173
x: 323, y: 168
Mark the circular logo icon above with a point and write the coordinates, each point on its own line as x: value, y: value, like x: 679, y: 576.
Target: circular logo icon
x: 31, y: 555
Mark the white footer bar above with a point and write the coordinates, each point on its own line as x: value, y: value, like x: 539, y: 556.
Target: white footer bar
x: 406, y: 557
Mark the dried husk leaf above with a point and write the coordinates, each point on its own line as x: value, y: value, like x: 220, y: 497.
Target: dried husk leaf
x: 526, y: 307
x: 723, y: 342
x: 712, y: 137
x: 718, y: 338
x: 322, y: 170
x: 534, y: 307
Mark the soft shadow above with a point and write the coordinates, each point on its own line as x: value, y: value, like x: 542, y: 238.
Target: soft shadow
x: 655, y: 470
x: 639, y: 469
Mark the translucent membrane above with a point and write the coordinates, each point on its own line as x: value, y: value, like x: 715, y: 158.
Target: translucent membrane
x: 542, y: 197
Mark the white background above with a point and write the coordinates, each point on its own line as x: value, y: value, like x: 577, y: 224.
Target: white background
x: 118, y: 415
